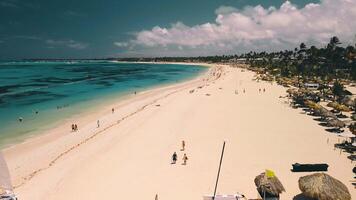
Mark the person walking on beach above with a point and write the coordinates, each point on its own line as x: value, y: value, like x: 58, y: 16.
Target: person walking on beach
x: 112, y: 110
x: 73, y: 127
x: 174, y: 158
x: 183, y: 145
x: 185, y: 158
x: 156, y: 197
x: 98, y: 123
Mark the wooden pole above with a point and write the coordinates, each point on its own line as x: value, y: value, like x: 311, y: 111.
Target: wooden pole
x: 217, y: 178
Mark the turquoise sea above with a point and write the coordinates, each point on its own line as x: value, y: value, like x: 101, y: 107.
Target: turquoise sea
x: 45, y: 93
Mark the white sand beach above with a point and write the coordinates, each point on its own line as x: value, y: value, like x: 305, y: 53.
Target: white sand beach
x: 129, y: 155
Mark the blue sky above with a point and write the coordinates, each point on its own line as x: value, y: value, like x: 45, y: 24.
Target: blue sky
x: 93, y: 28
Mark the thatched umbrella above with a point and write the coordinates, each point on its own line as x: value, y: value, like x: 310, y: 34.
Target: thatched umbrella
x: 342, y: 108
x: 336, y: 123
x: 327, y: 114
x: 332, y: 104
x: 268, y: 182
x: 339, y: 107
x: 348, y: 101
x: 321, y: 186
x: 291, y: 91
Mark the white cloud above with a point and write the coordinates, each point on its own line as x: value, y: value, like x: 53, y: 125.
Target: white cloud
x: 121, y: 44
x: 258, y: 28
x: 223, y: 10
x: 67, y: 43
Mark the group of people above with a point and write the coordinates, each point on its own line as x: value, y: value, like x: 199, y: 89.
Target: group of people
x: 74, y: 127
x: 237, y: 92
x: 244, y: 91
x: 184, y: 158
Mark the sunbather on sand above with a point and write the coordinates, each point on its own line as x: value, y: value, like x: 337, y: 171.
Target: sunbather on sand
x: 183, y: 145
x: 174, y: 158
x: 185, y: 158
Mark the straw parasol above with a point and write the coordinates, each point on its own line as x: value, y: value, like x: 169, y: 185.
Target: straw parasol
x: 336, y: 123
x: 325, y: 113
x: 322, y: 186
x: 332, y: 104
x: 269, y: 183
x: 339, y: 107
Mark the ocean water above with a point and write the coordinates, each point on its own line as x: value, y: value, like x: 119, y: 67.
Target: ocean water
x: 45, y: 93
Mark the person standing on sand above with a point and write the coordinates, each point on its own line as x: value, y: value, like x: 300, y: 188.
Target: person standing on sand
x: 156, y: 197
x: 73, y: 127
x: 183, y: 145
x: 112, y: 110
x: 174, y: 158
x: 185, y: 158
x: 98, y: 123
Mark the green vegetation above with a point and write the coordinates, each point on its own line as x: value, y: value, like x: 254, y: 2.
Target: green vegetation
x: 327, y: 63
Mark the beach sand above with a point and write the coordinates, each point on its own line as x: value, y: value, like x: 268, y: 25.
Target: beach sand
x: 129, y: 156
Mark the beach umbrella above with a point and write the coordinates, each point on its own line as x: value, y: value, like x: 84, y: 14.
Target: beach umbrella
x: 342, y: 108
x: 332, y: 104
x: 336, y: 123
x: 322, y: 186
x: 268, y: 182
x: 327, y: 114
x: 348, y: 101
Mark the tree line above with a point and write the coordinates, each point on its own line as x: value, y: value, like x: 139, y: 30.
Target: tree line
x: 331, y: 62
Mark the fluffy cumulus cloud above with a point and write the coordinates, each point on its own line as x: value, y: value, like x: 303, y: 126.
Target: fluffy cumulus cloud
x: 258, y: 28
x: 67, y: 43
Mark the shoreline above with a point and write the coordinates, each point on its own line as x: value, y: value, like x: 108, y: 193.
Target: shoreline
x: 258, y: 129
x: 88, y: 118
x: 114, y: 99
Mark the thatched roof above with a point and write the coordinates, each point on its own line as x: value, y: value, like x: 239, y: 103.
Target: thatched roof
x: 322, y: 186
x: 332, y: 104
x: 327, y: 114
x: 339, y: 107
x: 348, y: 101
x: 269, y: 184
x: 337, y: 123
